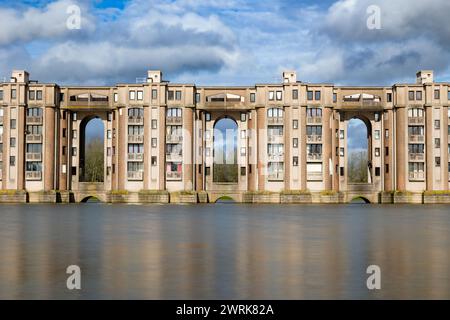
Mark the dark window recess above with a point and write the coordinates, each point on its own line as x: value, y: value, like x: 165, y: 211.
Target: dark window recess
x: 377, y: 171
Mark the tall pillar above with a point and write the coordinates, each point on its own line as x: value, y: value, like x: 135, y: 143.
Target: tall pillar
x: 20, y: 143
x: 401, y: 148
x: 147, y: 146
x: 429, y: 146
x: 252, y: 138
x: 63, y: 158
x: 121, y: 148
x: 326, y: 146
x: 199, y: 144
x: 302, y: 146
x: 262, y: 151
x: 287, y: 147
x: 6, y: 130
x: 389, y: 143
x: 444, y: 146
x: 161, y: 161
x: 49, y: 155
x: 188, y: 150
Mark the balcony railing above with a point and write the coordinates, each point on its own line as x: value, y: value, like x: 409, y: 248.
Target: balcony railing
x: 34, y: 120
x: 418, y: 176
x: 136, y: 120
x: 34, y: 138
x: 136, y: 139
x: 314, y: 157
x: 173, y: 138
x: 136, y: 157
x: 275, y: 120
x: 416, y: 156
x: 174, y: 120
x: 416, y: 138
x: 276, y: 176
x: 173, y: 175
x: 314, y: 138
x: 33, y: 175
x: 174, y: 156
x: 314, y: 176
x: 416, y: 120
x: 135, y: 175
x: 313, y: 120
x: 33, y: 156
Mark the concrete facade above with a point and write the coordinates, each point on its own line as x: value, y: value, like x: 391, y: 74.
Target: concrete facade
x: 160, y: 139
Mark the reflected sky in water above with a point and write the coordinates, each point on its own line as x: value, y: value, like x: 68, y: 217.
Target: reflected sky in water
x: 224, y: 251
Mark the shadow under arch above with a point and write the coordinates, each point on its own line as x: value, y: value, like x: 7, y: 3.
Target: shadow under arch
x: 225, y: 199
x: 360, y: 199
x: 90, y: 199
x: 225, y: 150
x: 82, y: 146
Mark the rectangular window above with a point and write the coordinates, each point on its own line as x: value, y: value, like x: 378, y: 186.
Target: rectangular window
x: 207, y: 116
x: 154, y: 142
x: 154, y: 94
x: 377, y: 152
x: 334, y: 97
x: 108, y: 134
x: 1, y: 94
x: 437, y: 124
x: 154, y: 124
x: 74, y: 171
x: 243, y: 151
x: 243, y: 116
x: 386, y: 152
x: 74, y: 151
x: 39, y: 95
x: 108, y: 151
x: 178, y: 95
x: 317, y: 95
x: 12, y: 161
x: 294, y: 124
x: 377, y: 171
x: 140, y: 95
x: 243, y: 134
x: 295, y: 94
x: 438, y: 161
x: 309, y: 95
x: 74, y: 116
x: 389, y: 97
x: 437, y: 94
x: 243, y: 171
x: 341, y: 152
x: 448, y: 95
x: 377, y: 134
x: 295, y: 161
x: 63, y: 151
x: 13, y: 123
x: 116, y: 97
x: 197, y: 99
x: 279, y: 95
x: 437, y: 143
x: 12, y: 142
x: 386, y: 133
x: 341, y: 134
x: 31, y: 95
x: 207, y: 171
x: 13, y: 94
x: 132, y: 95
x: 419, y: 95
x: 170, y: 95
x: 271, y: 95
x: 411, y: 95
x: 295, y: 143
x: 341, y: 171
x: 252, y: 97
x: 154, y: 161
x: 386, y: 168
x: 64, y: 132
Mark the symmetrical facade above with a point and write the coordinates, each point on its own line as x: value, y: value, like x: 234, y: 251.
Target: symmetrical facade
x: 287, y: 136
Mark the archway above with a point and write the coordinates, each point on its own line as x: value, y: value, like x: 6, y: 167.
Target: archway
x: 225, y: 165
x: 90, y: 199
x: 92, y: 144
x: 225, y: 199
x: 360, y: 200
x: 359, y: 157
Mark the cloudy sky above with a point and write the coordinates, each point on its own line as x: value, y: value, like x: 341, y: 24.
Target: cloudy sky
x: 225, y: 42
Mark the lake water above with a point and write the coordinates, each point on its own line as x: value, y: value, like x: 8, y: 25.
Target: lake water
x: 224, y: 251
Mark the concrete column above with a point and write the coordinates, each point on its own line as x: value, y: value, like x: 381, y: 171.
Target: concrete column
x: 147, y: 146
x: 161, y: 161
x: 49, y: 148
x: 252, y: 138
x: 121, y: 149
x: 444, y: 146
x: 389, y: 159
x: 335, y: 143
x: 199, y: 143
x: 401, y: 148
x: 63, y: 158
x: 302, y: 145
x: 188, y: 148
x: 5, y: 171
x: 429, y: 146
x: 326, y: 147
x: 262, y: 151
x: 287, y: 147
x: 20, y: 143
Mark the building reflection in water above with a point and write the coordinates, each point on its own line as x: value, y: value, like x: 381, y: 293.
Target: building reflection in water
x: 224, y: 251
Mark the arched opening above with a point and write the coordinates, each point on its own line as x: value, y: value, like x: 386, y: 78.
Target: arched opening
x: 90, y: 199
x: 92, y: 150
x: 225, y: 199
x: 360, y: 200
x: 359, y: 162
x: 225, y: 166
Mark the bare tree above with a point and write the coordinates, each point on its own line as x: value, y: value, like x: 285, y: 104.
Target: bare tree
x: 94, y: 165
x: 358, y: 167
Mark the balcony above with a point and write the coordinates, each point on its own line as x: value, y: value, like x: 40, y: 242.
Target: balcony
x: 416, y: 120
x: 33, y: 157
x: 314, y: 157
x: 34, y: 120
x: 174, y: 156
x: 34, y: 138
x: 172, y: 138
x: 416, y: 138
x: 136, y: 139
x: 313, y: 120
x: 314, y: 176
x: 276, y: 176
x: 88, y: 100
x: 33, y: 175
x: 138, y: 121
x: 275, y: 121
x: 173, y: 176
x: 314, y: 138
x: 416, y: 176
x: 174, y: 120
x: 138, y: 157
x: 416, y: 157
x: 279, y: 157
x: 135, y: 175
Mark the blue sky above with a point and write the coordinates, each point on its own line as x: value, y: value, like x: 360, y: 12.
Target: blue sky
x: 215, y: 42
